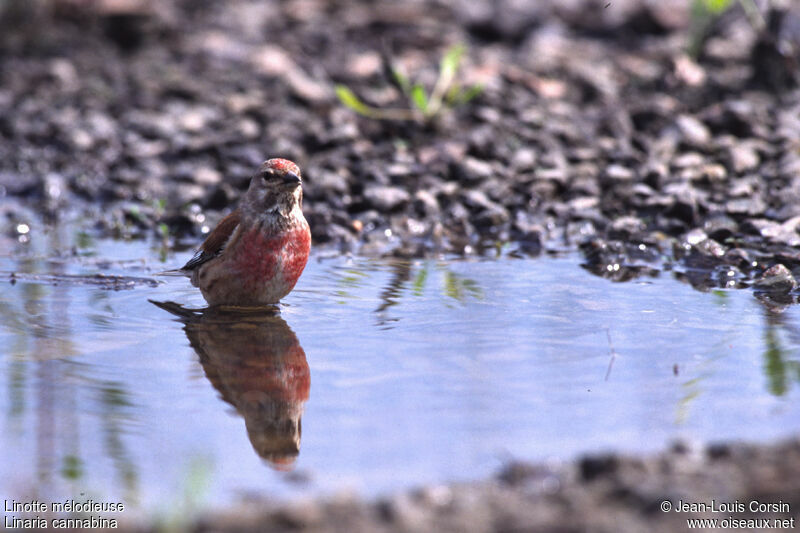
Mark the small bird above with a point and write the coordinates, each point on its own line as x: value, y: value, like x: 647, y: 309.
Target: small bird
x: 256, y: 254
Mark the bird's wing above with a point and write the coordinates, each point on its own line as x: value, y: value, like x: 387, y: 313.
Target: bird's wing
x: 215, y: 242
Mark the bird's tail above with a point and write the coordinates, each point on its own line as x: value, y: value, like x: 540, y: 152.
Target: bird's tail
x: 178, y: 310
x: 174, y: 272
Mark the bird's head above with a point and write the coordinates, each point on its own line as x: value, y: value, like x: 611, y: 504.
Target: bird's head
x: 275, y: 187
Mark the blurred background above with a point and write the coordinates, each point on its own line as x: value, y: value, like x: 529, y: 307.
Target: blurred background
x: 452, y: 123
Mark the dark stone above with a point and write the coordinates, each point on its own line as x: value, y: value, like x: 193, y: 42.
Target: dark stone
x: 626, y: 228
x: 221, y: 197
x: 718, y: 451
x: 502, y: 20
x: 19, y: 184
x: 425, y: 203
x: 777, y: 278
x: 491, y: 217
x: 473, y: 170
x: 775, y: 58
x: 720, y: 227
x: 517, y: 473
x: 594, y: 467
x: 683, y: 203
x: 126, y: 30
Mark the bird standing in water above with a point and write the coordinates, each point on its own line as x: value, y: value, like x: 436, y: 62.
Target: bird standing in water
x: 256, y: 254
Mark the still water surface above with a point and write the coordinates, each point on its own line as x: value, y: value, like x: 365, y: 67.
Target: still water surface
x: 384, y: 374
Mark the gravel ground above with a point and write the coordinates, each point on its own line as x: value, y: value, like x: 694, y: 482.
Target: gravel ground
x: 601, y: 493
x: 594, y: 128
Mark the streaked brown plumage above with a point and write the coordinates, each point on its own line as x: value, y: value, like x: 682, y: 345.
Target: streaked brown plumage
x: 256, y: 254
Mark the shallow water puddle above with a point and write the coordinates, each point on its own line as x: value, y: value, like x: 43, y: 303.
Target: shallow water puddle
x: 383, y: 374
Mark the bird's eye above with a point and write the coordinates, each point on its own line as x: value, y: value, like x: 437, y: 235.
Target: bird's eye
x: 267, y: 175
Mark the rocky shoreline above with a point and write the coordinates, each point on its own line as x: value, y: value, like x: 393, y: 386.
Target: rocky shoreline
x: 755, y: 487
x: 594, y: 128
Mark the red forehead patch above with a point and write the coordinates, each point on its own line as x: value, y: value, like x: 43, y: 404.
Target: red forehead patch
x: 284, y: 165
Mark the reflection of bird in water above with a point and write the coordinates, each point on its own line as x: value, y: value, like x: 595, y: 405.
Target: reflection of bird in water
x: 257, y: 364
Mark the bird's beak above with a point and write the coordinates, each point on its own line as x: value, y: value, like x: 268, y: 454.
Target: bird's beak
x: 291, y: 179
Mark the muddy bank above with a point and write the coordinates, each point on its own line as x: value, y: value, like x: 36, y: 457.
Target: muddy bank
x: 750, y: 486
x: 594, y: 127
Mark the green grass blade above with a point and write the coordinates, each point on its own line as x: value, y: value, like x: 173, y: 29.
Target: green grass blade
x: 349, y: 99
x: 470, y: 93
x: 451, y: 60
x: 401, y: 80
x: 717, y: 6
x: 419, y: 97
x: 420, y: 279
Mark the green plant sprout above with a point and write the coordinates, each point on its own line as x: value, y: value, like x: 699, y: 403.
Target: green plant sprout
x: 447, y: 92
x: 705, y: 12
x: 454, y: 285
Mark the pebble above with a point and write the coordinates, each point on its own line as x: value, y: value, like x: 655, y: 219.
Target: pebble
x: 777, y: 278
x: 694, y: 132
x: 474, y: 170
x: 743, y: 158
x: 618, y: 173
x: 386, y: 198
